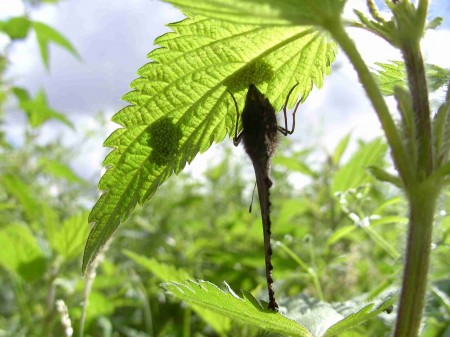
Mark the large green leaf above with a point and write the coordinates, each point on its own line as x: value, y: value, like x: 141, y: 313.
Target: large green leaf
x: 307, y: 317
x: 265, y: 12
x: 246, y: 309
x: 181, y: 104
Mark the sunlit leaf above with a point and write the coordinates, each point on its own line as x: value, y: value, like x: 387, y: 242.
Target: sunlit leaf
x: 264, y: 12
x: 307, y: 317
x: 246, y: 309
x: 181, y: 104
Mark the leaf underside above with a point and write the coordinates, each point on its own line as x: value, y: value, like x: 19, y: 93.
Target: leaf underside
x: 181, y: 104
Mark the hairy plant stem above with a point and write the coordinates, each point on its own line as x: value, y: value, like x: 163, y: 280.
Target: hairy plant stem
x: 418, y: 89
x: 422, y: 195
x: 422, y: 191
x: 422, y: 204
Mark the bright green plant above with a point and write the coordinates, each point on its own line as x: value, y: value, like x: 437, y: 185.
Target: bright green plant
x: 180, y: 106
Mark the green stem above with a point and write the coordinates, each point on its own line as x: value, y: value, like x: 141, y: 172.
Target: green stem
x: 422, y: 12
x: 187, y: 322
x: 422, y: 206
x: 419, y: 95
x: 422, y: 192
x: 401, y: 160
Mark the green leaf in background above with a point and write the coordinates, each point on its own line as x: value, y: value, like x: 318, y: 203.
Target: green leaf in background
x: 383, y: 175
x: 246, y: 310
x: 354, y: 173
x: 324, y: 319
x: 368, y: 311
x: 46, y: 35
x: 294, y: 164
x: 441, y: 123
x: 340, y: 150
x: 37, y: 109
x: 264, y: 12
x: 16, y: 28
x: 21, y: 192
x: 181, y: 105
x: 60, y: 170
x: 393, y: 74
x: 68, y: 238
x: 99, y: 305
x: 20, y: 253
x: 437, y: 76
x: 165, y: 273
x: 162, y: 271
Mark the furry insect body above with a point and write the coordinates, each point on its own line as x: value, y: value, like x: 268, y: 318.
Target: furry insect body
x: 260, y: 137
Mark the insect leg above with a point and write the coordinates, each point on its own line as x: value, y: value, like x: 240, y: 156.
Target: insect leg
x: 237, y: 138
x: 285, y: 130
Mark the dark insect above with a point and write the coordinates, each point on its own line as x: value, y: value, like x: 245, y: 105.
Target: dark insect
x: 260, y: 137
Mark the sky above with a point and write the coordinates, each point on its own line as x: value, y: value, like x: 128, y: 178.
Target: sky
x: 113, y: 39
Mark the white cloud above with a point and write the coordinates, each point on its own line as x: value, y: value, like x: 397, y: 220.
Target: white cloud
x: 10, y: 8
x: 113, y: 38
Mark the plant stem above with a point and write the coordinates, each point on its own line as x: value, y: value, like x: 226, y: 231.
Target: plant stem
x: 422, y: 203
x: 422, y: 192
x: 400, y: 158
x: 419, y: 95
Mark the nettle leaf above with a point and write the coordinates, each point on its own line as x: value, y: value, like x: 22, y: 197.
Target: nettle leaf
x: 393, y: 74
x: 246, y: 310
x: 437, y: 76
x: 363, y: 313
x: 265, y: 12
x: 302, y: 316
x: 181, y: 104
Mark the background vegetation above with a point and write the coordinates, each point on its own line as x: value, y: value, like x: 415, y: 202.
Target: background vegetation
x: 329, y: 245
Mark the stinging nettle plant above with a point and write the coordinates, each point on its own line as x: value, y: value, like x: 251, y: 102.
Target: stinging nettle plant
x: 181, y: 104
